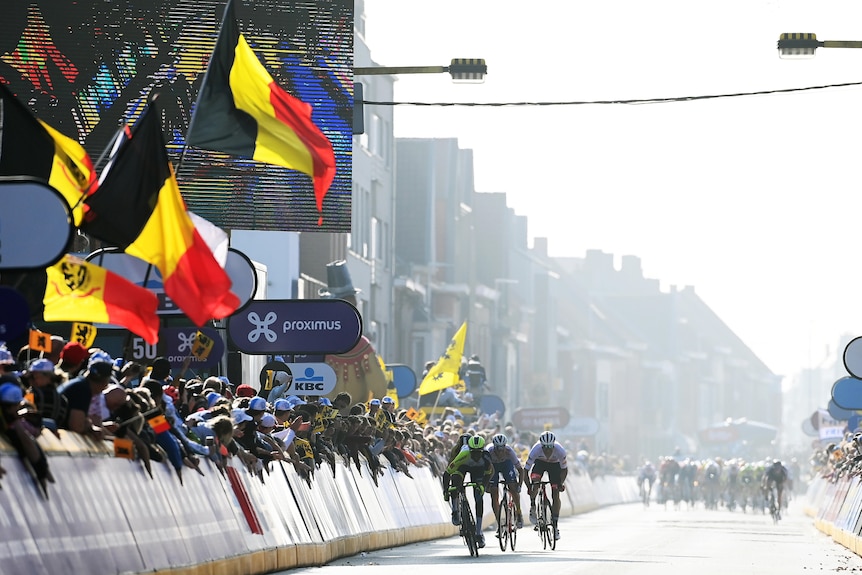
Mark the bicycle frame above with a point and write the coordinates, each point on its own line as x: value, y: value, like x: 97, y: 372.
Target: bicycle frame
x: 468, y: 524
x: 544, y: 523
x: 506, y: 531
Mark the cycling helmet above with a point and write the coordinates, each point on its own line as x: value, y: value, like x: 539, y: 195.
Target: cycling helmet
x: 476, y: 442
x: 547, y: 439
x: 500, y: 440
x: 462, y: 440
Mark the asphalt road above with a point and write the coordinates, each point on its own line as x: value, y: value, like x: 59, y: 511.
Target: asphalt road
x: 629, y: 539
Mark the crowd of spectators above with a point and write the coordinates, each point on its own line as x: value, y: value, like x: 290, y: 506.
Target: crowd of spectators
x: 154, y: 415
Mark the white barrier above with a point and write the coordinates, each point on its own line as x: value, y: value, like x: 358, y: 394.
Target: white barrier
x: 105, y: 515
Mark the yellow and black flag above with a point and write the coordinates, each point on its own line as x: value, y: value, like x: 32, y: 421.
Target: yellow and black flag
x: 444, y: 373
x: 242, y: 111
x: 30, y: 147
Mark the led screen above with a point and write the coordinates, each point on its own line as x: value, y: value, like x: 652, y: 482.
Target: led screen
x: 84, y: 67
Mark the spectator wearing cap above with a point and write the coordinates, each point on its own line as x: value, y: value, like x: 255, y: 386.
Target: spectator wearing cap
x: 80, y: 391
x: 21, y: 435
x: 73, y: 359
x: 7, y: 362
x: 41, y: 382
x: 247, y: 429
x: 227, y: 386
x: 387, y: 405
x: 245, y: 390
x: 373, y: 407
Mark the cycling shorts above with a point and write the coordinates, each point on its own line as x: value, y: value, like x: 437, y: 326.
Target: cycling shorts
x: 507, y: 468
x: 539, y: 469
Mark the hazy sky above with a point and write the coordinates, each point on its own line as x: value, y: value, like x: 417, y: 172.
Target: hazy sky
x: 755, y: 200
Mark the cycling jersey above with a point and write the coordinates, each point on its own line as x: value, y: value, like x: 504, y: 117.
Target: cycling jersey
x: 465, y: 462
x: 776, y: 474
x: 558, y: 455
x: 501, y: 454
x: 505, y: 462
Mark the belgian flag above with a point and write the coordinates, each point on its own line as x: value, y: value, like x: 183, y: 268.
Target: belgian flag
x: 139, y: 209
x: 76, y: 290
x: 242, y: 111
x: 30, y: 147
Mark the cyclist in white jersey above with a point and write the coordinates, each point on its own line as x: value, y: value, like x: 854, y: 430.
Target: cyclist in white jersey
x: 547, y: 456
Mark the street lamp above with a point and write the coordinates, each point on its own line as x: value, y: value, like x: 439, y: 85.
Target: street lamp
x: 798, y: 46
x: 462, y: 70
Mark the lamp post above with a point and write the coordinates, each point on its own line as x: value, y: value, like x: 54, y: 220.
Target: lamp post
x: 797, y: 46
x: 465, y: 70
x: 462, y: 70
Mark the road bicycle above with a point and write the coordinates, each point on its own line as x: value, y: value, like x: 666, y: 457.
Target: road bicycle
x: 544, y: 524
x: 773, y: 503
x: 646, y: 491
x: 468, y: 524
x: 507, y: 532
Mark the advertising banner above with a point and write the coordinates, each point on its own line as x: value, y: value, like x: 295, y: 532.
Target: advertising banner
x: 295, y: 326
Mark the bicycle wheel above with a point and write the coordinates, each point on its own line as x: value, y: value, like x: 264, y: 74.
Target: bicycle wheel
x: 513, y: 530
x: 549, y: 525
x: 502, y: 522
x: 468, y: 527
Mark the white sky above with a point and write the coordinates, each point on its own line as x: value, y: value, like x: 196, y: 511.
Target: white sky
x: 755, y: 201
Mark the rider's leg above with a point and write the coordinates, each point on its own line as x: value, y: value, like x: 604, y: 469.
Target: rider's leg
x: 516, y: 496
x: 480, y: 508
x: 494, y: 491
x: 533, y: 488
x: 456, y: 480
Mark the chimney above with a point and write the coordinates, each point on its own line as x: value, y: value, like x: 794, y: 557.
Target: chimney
x: 540, y: 246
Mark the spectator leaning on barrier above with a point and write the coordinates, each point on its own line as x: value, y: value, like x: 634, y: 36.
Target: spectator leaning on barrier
x: 41, y: 383
x: 342, y: 403
x: 80, y: 391
x: 19, y: 433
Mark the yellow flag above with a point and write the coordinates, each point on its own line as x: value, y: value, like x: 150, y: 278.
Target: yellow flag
x: 445, y: 372
x: 83, y: 333
x: 202, y: 346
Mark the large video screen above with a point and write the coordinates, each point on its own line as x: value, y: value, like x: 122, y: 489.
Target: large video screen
x: 86, y: 67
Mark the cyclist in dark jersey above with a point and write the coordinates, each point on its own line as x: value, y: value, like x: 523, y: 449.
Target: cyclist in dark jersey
x: 776, y: 474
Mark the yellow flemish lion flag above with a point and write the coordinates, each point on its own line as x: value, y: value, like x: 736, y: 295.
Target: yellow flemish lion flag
x: 445, y: 372
x: 76, y: 290
x: 83, y: 333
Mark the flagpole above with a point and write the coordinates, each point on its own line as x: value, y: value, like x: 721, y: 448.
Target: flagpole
x: 227, y: 7
x: 436, y: 399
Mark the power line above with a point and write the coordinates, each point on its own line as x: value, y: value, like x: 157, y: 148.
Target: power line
x: 605, y: 102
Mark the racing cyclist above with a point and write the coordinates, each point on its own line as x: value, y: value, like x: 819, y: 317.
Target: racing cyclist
x: 775, y: 474
x: 477, y: 462
x: 547, y: 455
x: 505, y: 462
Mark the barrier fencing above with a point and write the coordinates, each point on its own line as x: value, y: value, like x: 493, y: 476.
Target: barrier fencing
x: 105, y: 515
